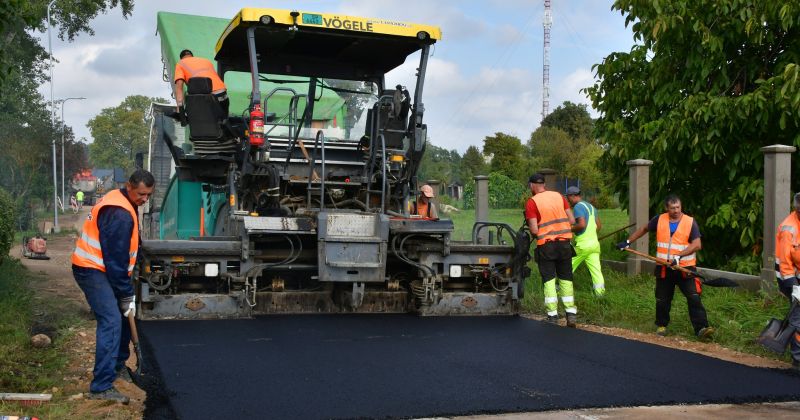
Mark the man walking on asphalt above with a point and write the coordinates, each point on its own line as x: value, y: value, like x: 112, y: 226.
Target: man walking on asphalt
x: 550, y: 219
x: 787, y: 268
x: 102, y: 264
x: 677, y: 240
x: 79, y: 198
x: 587, y: 246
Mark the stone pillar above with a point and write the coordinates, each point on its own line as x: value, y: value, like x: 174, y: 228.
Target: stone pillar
x: 777, y: 204
x: 437, y: 189
x: 482, y: 205
x: 638, y: 207
x: 549, y: 179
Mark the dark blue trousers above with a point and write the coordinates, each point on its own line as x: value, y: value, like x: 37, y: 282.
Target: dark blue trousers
x: 113, y: 333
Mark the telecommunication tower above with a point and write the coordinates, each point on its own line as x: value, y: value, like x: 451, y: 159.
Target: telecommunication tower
x: 547, y: 22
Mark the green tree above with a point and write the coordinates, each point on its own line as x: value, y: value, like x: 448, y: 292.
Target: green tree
x: 572, y: 118
x: 120, y: 132
x: 504, y: 193
x: 508, y: 156
x: 7, y: 220
x: 706, y: 85
x: 472, y: 164
x: 553, y: 148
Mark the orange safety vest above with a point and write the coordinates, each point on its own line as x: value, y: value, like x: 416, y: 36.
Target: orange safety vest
x: 88, y: 252
x: 787, y: 248
x: 554, y: 222
x: 422, y: 209
x: 190, y: 67
x: 667, y: 245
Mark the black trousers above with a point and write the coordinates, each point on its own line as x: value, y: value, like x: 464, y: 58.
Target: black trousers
x: 665, y: 290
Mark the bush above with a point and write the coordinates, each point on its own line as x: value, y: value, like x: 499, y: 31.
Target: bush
x: 7, y: 220
x: 504, y: 193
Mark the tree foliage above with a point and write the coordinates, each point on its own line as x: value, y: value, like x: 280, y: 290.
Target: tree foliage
x: 121, y: 132
x: 472, y: 164
x: 7, y: 220
x: 706, y: 85
x: 508, y: 156
x: 504, y: 193
x: 572, y: 118
x: 440, y: 164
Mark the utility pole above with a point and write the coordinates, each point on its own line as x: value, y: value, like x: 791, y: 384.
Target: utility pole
x: 547, y: 22
x: 56, y: 229
x: 64, y: 150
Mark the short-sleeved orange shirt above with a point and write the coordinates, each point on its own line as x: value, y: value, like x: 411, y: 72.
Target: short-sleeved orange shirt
x: 190, y: 67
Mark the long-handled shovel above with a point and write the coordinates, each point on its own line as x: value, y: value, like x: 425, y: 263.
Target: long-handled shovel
x: 615, y: 232
x: 136, y: 348
x: 718, y: 282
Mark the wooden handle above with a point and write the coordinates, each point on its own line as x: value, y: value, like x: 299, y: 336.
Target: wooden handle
x: 661, y: 261
x: 616, y: 231
x: 134, y: 332
x: 314, y: 175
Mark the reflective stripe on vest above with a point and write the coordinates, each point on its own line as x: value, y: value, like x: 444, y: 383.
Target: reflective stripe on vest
x: 553, y: 223
x: 669, y: 245
x: 588, y: 239
x: 88, y: 252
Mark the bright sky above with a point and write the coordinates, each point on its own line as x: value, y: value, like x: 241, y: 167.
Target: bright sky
x: 484, y: 76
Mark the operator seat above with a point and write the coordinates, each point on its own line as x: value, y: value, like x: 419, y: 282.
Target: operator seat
x: 393, y: 117
x: 208, y: 122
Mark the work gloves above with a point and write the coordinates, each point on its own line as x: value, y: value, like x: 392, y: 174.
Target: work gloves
x: 127, y: 306
x: 796, y: 293
x: 624, y: 244
x: 675, y: 260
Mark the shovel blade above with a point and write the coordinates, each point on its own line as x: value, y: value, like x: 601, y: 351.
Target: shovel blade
x: 775, y: 336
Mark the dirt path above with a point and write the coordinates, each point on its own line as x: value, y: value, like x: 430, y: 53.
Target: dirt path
x: 54, y: 281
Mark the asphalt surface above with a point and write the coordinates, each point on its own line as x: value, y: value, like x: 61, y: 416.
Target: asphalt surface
x: 385, y: 366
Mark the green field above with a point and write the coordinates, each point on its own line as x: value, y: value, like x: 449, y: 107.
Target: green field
x: 630, y: 302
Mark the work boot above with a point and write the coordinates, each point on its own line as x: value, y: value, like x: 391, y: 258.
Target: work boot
x: 125, y: 374
x: 111, y: 394
x: 662, y: 331
x: 705, y: 334
x: 553, y: 319
x: 572, y: 320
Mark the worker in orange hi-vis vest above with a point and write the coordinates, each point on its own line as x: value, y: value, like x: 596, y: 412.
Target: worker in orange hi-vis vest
x: 550, y: 221
x: 677, y: 240
x: 423, y: 206
x: 787, y: 270
x: 190, y: 66
x: 102, y: 264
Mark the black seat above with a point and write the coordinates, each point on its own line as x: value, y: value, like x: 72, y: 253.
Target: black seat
x: 393, y: 116
x: 203, y: 111
x: 209, y: 127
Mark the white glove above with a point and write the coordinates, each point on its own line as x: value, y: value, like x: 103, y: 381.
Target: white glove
x: 127, y: 305
x: 796, y: 293
x: 676, y: 260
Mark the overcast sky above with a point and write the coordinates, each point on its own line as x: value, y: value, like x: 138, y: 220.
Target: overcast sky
x: 484, y: 76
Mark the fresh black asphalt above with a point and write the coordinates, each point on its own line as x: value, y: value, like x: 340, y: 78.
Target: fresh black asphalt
x: 386, y: 366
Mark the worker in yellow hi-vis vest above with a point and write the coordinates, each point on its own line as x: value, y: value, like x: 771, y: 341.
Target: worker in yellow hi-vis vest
x: 587, y: 246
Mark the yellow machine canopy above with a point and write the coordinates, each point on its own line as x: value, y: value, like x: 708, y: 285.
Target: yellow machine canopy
x: 320, y: 44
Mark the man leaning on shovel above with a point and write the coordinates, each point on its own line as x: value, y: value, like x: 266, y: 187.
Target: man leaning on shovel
x: 787, y: 269
x: 677, y: 240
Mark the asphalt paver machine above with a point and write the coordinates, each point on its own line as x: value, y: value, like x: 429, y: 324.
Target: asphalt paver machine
x: 298, y: 199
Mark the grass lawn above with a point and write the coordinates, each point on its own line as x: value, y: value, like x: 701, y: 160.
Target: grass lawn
x: 23, y: 368
x: 630, y: 302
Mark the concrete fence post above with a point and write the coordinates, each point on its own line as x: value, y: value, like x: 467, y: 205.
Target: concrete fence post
x: 482, y: 205
x: 777, y: 203
x: 550, y: 179
x: 437, y: 190
x: 638, y: 207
